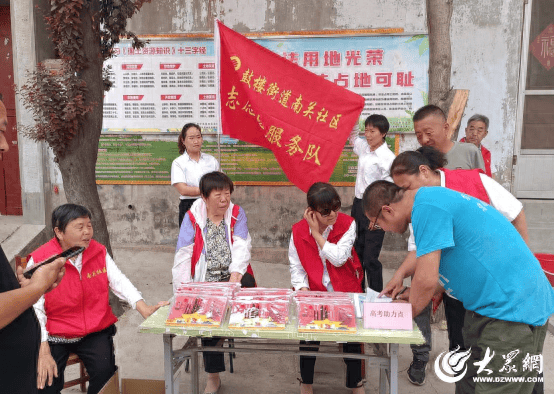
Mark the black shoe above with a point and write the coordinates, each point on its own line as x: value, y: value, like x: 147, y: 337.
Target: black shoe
x: 416, y: 372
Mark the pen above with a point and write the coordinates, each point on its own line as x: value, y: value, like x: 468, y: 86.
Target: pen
x: 401, y: 292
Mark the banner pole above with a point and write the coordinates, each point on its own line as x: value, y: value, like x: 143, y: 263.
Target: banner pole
x: 217, y: 50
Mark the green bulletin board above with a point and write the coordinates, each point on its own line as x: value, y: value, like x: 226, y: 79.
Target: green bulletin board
x: 139, y: 159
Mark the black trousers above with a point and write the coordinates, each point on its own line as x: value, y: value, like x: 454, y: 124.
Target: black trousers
x: 97, y: 352
x: 184, y: 206
x: 214, y: 362
x: 454, y: 312
x: 353, y: 366
x: 368, y: 246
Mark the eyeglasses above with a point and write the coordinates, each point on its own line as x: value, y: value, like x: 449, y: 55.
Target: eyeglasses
x: 327, y: 212
x: 373, y: 225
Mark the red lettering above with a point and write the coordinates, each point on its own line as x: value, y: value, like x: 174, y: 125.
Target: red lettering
x: 332, y: 58
x: 311, y: 59
x: 362, y: 80
x: 383, y: 79
x: 354, y: 58
x: 131, y: 67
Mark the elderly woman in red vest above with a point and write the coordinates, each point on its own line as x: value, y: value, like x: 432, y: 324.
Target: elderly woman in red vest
x: 76, y: 316
x: 213, y: 246
x: 322, y: 258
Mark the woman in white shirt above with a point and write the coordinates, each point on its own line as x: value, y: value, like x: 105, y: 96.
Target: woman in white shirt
x: 188, y: 168
x: 374, y: 161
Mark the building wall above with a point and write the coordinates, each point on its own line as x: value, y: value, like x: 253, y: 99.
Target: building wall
x: 486, y: 39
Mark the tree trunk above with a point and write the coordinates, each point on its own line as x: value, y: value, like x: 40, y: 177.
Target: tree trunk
x: 439, y: 13
x: 78, y: 166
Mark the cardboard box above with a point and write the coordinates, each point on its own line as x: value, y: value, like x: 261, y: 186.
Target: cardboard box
x: 142, y: 386
x: 137, y: 386
x: 148, y: 386
x: 112, y: 386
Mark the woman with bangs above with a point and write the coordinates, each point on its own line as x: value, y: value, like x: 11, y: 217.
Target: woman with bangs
x: 322, y: 258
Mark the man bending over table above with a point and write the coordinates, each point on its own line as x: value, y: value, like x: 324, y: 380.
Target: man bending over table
x: 469, y: 249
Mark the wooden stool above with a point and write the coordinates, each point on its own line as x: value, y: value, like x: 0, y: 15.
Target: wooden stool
x: 73, y: 358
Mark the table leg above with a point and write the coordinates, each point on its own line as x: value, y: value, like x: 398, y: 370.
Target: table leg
x: 168, y: 363
x: 394, y: 368
x: 382, y: 380
x: 194, y: 374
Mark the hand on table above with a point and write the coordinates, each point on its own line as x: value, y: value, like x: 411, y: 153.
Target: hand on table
x: 392, y: 288
x: 403, y: 295
x: 235, y: 277
x: 46, y: 368
x: 146, y: 310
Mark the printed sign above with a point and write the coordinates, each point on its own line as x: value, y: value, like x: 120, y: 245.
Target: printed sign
x: 388, y: 316
x: 159, y: 88
x: 390, y: 72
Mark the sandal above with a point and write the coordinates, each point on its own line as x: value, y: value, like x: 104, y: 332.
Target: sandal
x: 216, y: 390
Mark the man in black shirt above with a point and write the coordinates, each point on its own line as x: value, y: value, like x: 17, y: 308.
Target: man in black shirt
x: 19, y: 328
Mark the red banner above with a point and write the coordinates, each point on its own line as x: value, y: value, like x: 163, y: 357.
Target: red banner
x: 269, y: 101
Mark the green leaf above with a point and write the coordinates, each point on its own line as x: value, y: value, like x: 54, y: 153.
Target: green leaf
x: 423, y: 46
x: 415, y: 38
x: 425, y: 97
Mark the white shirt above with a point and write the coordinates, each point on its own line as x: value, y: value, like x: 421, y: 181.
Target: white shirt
x: 501, y: 199
x: 118, y: 282
x: 188, y: 171
x: 337, y: 254
x: 372, y: 165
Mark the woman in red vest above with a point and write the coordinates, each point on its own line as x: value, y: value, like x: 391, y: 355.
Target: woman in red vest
x: 213, y: 246
x: 76, y: 316
x: 322, y: 258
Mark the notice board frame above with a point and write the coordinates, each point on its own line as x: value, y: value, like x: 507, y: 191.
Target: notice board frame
x: 393, y: 139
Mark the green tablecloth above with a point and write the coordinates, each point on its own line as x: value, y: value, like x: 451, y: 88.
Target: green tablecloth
x: 155, y: 324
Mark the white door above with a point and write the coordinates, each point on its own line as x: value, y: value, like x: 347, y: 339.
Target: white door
x: 534, y: 176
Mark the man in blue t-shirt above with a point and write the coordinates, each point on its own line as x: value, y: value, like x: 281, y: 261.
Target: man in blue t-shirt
x: 468, y: 249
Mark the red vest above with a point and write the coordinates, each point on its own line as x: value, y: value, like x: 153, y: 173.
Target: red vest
x: 487, y: 159
x: 346, y: 278
x: 466, y: 181
x: 199, y: 240
x: 79, y: 305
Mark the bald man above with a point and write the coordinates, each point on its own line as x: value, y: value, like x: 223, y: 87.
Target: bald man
x: 19, y: 328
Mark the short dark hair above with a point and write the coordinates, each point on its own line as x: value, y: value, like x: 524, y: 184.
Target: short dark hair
x: 323, y: 197
x: 408, y: 162
x: 66, y: 213
x: 214, y: 181
x: 183, y: 135
x: 378, y: 194
x: 428, y: 110
x: 379, y: 121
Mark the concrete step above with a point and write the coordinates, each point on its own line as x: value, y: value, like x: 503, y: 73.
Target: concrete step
x: 18, y: 238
